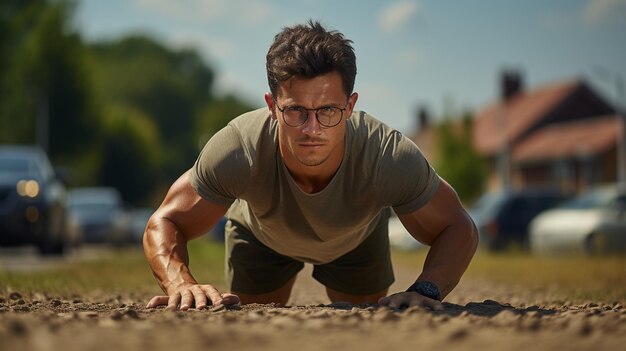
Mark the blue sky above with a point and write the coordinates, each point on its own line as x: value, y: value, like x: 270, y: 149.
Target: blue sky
x: 409, y: 52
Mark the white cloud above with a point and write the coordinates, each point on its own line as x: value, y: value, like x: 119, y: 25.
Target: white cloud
x: 249, y: 12
x: 395, y: 16
x: 255, y: 12
x: 602, y: 11
x: 211, y: 48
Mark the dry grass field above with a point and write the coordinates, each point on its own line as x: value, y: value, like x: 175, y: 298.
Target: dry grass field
x: 511, y: 301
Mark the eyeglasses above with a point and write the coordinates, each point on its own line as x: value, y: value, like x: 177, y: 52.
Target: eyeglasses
x: 327, y: 116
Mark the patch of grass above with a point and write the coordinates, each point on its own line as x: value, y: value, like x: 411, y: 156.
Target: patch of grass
x: 123, y: 271
x: 598, y: 278
x: 126, y: 271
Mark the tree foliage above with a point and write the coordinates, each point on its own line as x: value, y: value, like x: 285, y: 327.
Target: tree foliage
x: 458, y: 162
x: 129, y: 152
x: 127, y: 112
x: 43, y: 71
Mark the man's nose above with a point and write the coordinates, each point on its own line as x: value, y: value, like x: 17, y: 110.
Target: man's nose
x: 312, y: 125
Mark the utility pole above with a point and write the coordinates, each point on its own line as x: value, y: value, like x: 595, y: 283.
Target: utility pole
x: 621, y: 154
x: 42, y: 135
x: 504, y: 156
x: 618, y: 81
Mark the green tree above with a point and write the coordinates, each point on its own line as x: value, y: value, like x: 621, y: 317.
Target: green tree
x: 458, y: 162
x: 129, y: 152
x: 167, y: 85
x: 43, y: 73
x: 170, y: 88
x: 215, y: 115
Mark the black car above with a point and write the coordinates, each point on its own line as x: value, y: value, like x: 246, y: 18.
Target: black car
x: 502, y: 218
x: 32, y: 200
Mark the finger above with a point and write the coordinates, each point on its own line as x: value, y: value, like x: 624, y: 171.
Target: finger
x: 432, y: 304
x: 213, y: 294
x: 393, y: 301
x: 157, y: 301
x: 200, y: 297
x: 173, y: 302
x: 384, y: 300
x: 230, y: 299
x: 397, y: 302
x: 186, y: 300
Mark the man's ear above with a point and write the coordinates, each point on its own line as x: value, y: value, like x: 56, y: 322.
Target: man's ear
x: 271, y: 105
x: 351, y: 103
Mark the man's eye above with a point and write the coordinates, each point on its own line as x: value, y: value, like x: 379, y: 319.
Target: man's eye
x: 294, y: 109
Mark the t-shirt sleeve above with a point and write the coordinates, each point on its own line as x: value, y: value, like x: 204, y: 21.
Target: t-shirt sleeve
x: 407, y: 181
x: 222, y: 171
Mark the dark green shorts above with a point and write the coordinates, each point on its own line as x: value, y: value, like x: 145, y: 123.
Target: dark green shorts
x: 253, y: 268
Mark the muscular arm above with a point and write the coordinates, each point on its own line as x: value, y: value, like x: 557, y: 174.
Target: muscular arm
x: 443, y: 224
x: 182, y: 216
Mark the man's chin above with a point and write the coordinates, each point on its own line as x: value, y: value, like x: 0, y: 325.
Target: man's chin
x: 312, y: 162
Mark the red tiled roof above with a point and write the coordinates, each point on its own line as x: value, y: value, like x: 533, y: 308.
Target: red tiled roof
x: 521, y: 112
x: 580, y: 137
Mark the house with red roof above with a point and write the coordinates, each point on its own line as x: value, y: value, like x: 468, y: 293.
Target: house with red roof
x: 563, y: 135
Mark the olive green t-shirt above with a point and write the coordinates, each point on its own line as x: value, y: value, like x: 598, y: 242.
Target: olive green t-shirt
x: 241, y: 165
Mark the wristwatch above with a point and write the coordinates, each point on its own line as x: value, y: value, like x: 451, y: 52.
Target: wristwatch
x: 426, y: 288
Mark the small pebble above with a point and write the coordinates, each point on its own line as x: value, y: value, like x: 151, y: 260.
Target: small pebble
x: 131, y: 313
x: 15, y: 296
x: 218, y: 308
x: 21, y: 308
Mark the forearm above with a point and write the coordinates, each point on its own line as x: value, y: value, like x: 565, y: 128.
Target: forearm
x: 165, y: 248
x: 450, y: 255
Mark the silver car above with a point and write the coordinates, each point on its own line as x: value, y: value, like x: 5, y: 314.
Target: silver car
x: 594, y: 222
x: 100, y: 215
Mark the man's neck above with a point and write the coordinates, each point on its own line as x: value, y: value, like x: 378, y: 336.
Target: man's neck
x: 313, y: 179
x: 311, y: 184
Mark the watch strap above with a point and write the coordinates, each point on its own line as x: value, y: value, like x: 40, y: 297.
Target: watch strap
x: 426, y: 288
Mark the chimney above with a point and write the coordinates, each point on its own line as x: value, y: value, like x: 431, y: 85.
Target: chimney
x: 510, y: 83
x: 423, y: 118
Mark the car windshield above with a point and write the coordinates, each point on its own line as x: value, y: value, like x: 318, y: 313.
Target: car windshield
x: 93, y: 208
x: 598, y: 198
x: 20, y: 166
x: 92, y: 202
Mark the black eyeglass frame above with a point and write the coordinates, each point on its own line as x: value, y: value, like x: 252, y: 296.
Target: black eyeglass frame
x: 342, y: 110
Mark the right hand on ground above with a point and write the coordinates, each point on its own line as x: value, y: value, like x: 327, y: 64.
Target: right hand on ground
x: 196, y: 295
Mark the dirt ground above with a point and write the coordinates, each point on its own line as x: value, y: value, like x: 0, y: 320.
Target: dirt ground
x: 477, y: 315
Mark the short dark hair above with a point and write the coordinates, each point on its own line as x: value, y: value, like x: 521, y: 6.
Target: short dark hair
x: 309, y: 51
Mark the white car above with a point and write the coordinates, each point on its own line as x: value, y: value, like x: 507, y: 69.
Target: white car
x: 399, y: 237
x: 575, y: 226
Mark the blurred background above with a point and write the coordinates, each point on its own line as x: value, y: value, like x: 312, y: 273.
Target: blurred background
x: 518, y: 105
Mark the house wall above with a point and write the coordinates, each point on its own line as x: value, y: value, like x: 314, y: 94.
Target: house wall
x: 571, y: 175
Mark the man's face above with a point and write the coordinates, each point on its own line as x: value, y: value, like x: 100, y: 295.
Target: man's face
x: 311, y: 144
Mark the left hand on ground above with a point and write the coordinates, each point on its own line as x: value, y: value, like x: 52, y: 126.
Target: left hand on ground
x: 409, y: 299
